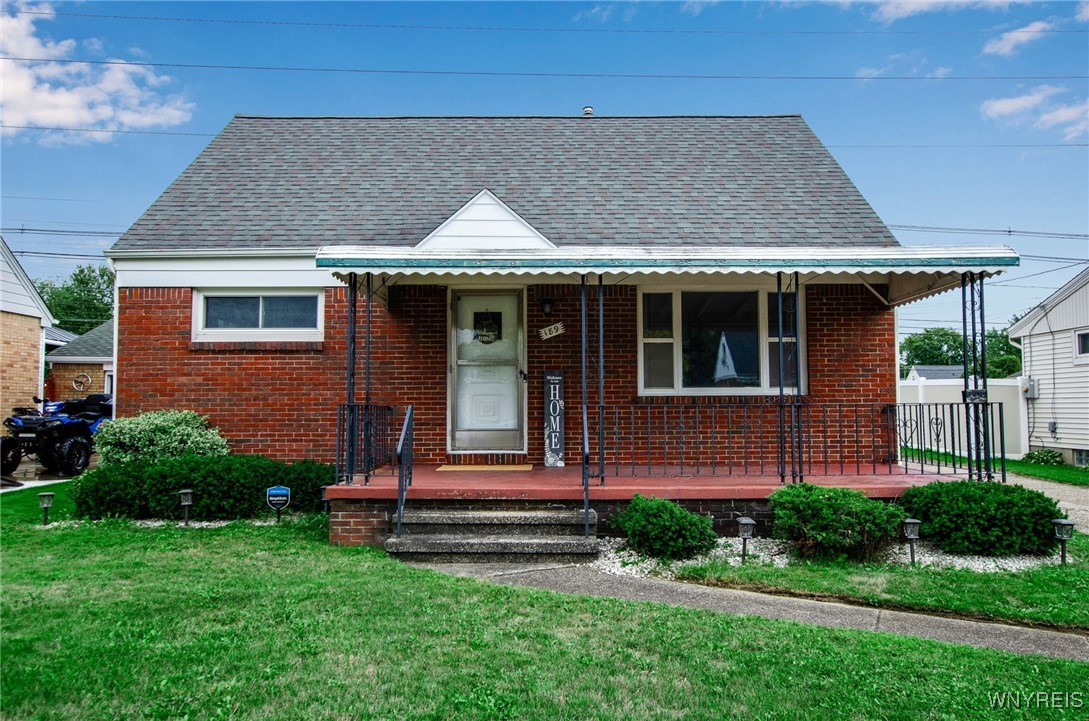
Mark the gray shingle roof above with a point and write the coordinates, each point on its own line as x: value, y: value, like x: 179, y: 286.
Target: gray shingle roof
x: 309, y: 182
x: 938, y: 373
x: 95, y: 343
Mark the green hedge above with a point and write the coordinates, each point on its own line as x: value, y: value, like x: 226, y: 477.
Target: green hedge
x: 663, y: 529
x: 984, y: 518
x: 833, y: 522
x: 224, y: 487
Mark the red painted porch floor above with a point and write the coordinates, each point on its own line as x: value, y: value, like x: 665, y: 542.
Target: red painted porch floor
x: 428, y: 483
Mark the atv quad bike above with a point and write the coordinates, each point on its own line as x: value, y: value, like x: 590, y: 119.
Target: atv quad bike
x: 60, y: 436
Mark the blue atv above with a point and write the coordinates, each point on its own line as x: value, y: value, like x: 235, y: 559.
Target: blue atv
x: 59, y: 436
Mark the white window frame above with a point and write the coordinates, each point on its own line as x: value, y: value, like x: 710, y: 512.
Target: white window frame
x: 766, y: 387
x: 1079, y: 358
x: 211, y: 335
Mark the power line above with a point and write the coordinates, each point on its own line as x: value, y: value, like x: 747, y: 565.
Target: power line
x: 945, y: 146
x: 528, y: 74
x: 59, y: 231
x: 1054, y: 258
x: 1042, y: 272
x: 990, y: 231
x: 493, y: 28
x: 36, y: 197
x: 38, y: 254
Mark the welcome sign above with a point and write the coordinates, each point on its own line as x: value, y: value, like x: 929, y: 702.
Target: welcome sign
x: 553, y: 415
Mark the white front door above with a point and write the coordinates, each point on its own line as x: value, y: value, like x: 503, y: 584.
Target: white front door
x: 487, y: 389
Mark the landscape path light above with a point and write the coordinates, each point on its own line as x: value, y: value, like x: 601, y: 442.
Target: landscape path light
x: 185, y: 498
x: 745, y: 526
x: 45, y: 502
x: 911, y: 532
x: 1064, y: 531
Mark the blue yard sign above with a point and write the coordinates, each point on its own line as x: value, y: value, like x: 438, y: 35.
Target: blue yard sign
x: 278, y: 497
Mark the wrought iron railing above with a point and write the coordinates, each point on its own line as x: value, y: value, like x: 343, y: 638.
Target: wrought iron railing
x: 585, y: 475
x: 405, y: 448
x: 365, y: 440
x: 793, y: 440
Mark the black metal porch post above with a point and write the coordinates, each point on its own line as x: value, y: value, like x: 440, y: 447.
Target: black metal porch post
x: 987, y: 468
x: 798, y: 375
x: 351, y: 439
x: 782, y: 399
x: 368, y: 412
x: 584, y: 365
x: 601, y: 378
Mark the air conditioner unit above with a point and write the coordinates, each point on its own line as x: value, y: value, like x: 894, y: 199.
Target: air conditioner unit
x: 1028, y: 388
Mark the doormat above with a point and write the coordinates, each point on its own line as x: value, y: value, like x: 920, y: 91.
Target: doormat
x: 518, y: 467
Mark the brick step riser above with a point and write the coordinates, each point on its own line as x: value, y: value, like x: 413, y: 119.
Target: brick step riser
x: 490, y: 529
x: 498, y: 557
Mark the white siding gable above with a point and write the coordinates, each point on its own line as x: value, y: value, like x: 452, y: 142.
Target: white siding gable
x: 485, y: 223
x: 17, y: 294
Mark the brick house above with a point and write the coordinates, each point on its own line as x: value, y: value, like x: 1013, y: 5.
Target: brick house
x: 711, y: 294
x: 84, y: 365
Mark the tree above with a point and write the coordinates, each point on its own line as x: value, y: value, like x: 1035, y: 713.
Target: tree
x: 945, y: 346
x: 932, y: 347
x: 83, y: 301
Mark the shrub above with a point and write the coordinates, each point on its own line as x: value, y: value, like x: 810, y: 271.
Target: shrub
x: 833, y: 522
x: 984, y: 518
x: 224, y: 487
x: 663, y: 529
x: 157, y: 435
x: 1044, y: 457
x: 111, y: 491
x: 305, y: 479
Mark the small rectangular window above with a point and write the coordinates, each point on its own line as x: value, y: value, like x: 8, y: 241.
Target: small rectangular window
x: 1083, y: 343
x: 242, y: 316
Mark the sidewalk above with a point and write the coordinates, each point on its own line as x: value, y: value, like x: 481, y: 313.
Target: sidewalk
x: 587, y: 581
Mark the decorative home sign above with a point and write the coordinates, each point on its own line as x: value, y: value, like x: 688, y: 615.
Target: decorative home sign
x: 553, y: 430
x: 487, y: 326
x: 550, y: 331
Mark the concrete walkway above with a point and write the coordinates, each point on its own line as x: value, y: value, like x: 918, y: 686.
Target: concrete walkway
x: 588, y: 581
x: 1072, y: 499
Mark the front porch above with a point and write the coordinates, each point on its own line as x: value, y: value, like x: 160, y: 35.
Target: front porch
x: 369, y: 511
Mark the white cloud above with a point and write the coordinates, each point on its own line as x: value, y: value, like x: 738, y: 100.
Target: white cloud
x: 870, y: 73
x: 1007, y: 43
x: 695, y: 7
x: 894, y: 10
x: 46, y: 93
x: 600, y: 13
x: 1072, y: 119
x: 1005, y: 107
x: 940, y: 72
x: 1037, y: 108
x: 1082, y: 13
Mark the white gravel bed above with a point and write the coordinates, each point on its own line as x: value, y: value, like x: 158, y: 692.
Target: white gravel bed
x: 616, y: 559
x: 162, y: 523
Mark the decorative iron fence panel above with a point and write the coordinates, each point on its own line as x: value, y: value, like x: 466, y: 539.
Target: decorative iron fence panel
x: 366, y: 440
x: 794, y: 440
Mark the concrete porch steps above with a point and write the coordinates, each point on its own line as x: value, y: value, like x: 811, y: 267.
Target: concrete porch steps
x: 475, y: 536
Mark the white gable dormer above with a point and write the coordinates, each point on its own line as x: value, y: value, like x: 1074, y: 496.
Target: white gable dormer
x: 485, y: 223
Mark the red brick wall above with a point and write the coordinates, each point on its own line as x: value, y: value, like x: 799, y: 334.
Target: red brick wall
x: 280, y: 398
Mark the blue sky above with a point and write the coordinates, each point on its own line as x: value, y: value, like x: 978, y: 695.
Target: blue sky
x: 973, y: 75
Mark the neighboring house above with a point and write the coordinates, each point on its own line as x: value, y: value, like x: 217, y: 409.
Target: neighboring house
x: 84, y: 365
x: 1054, y: 340
x: 484, y: 244
x: 935, y: 373
x: 56, y: 338
x: 24, y: 320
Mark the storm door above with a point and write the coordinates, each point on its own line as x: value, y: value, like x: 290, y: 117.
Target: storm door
x: 487, y: 373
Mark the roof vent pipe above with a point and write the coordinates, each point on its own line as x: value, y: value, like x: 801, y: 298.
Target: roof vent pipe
x: 588, y: 111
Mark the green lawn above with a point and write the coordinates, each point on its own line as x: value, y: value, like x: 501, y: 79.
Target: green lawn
x: 1074, y: 475
x: 112, y: 621
x: 1046, y: 596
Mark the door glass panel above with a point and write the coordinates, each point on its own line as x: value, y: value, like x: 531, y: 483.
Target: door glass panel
x: 488, y: 412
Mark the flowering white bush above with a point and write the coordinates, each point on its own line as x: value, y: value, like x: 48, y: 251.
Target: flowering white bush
x: 157, y: 435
